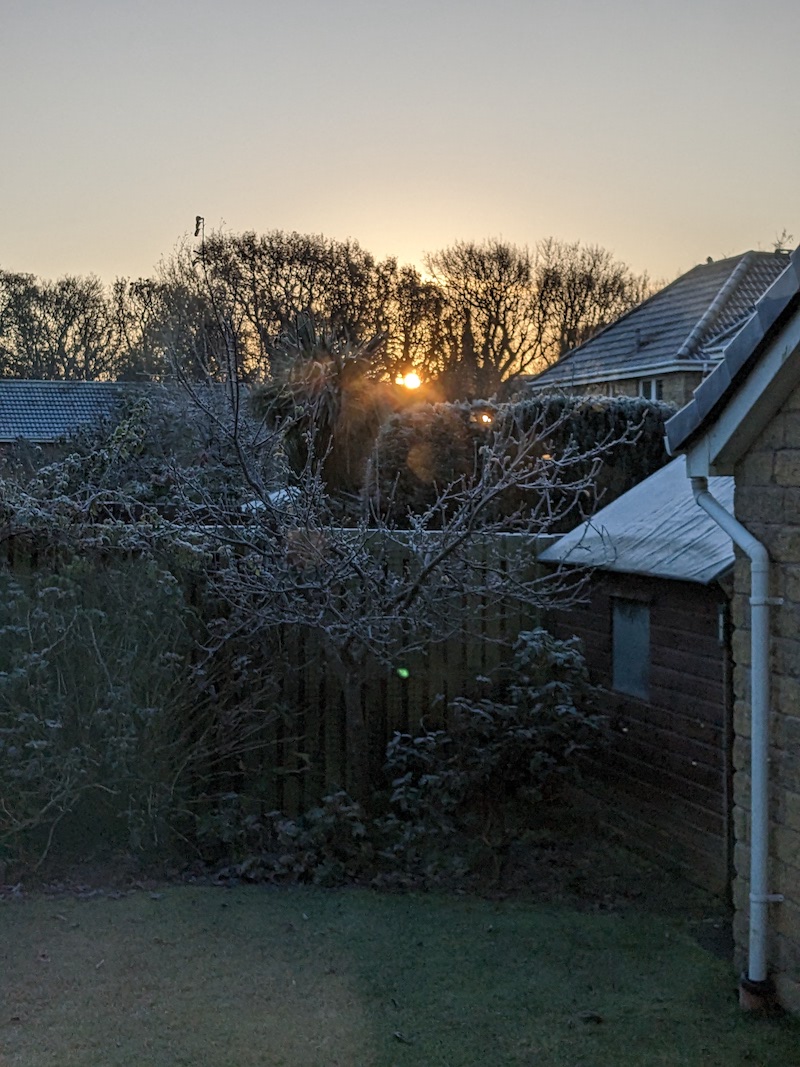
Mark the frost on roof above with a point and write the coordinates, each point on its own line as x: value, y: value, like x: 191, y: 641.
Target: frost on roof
x: 45, y: 411
x: 654, y: 529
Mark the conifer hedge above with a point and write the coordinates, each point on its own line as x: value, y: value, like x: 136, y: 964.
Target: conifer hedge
x: 421, y: 451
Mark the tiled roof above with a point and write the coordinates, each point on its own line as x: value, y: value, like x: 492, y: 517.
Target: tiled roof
x: 685, y: 324
x: 738, y: 358
x: 45, y: 411
x: 654, y: 529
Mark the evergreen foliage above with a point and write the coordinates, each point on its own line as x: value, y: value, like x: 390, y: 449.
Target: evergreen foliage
x: 421, y: 451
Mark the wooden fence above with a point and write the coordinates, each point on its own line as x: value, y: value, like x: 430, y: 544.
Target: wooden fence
x: 306, y: 753
x: 406, y: 696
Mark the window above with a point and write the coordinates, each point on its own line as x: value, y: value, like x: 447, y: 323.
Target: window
x: 651, y: 388
x: 630, y: 647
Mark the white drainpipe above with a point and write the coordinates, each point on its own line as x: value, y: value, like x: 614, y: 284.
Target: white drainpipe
x: 760, y: 897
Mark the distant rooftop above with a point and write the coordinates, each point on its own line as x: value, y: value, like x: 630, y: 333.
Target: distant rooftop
x: 44, y: 411
x: 683, y: 326
x: 654, y: 529
x: 739, y: 357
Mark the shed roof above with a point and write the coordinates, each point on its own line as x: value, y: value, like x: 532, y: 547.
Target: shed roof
x: 45, y: 411
x: 684, y: 325
x: 654, y: 529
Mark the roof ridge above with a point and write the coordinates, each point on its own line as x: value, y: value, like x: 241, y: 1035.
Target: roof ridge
x: 657, y: 295
x: 714, y: 309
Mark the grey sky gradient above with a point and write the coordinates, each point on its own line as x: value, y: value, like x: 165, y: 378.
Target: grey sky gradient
x: 666, y: 132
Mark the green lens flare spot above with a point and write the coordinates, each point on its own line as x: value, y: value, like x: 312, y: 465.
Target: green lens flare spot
x: 403, y: 672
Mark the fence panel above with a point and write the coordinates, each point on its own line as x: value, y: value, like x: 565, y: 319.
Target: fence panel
x: 307, y: 752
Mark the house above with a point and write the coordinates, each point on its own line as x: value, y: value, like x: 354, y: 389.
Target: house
x: 39, y: 412
x: 666, y: 346
x: 653, y: 622
x: 744, y: 422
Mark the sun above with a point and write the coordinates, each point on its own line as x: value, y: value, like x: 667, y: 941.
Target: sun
x: 410, y: 380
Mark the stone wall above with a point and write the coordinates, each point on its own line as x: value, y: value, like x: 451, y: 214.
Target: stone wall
x: 768, y: 504
x: 677, y: 387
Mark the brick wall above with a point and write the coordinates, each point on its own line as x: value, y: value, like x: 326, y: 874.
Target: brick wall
x: 662, y: 786
x: 768, y: 504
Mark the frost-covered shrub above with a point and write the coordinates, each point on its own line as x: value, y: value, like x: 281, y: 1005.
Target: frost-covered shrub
x: 120, y: 725
x: 422, y: 451
x: 495, y: 760
x: 163, y: 457
x: 92, y: 662
x: 457, y: 796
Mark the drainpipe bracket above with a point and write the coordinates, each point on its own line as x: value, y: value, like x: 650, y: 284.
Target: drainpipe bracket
x: 768, y: 601
x: 767, y: 898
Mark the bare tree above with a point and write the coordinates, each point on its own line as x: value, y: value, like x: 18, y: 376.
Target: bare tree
x: 579, y: 290
x: 55, y: 330
x: 490, y: 313
x: 269, y: 279
x: 508, y: 310
x: 288, y: 560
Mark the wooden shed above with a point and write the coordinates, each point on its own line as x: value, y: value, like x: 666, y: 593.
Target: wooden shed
x: 654, y: 624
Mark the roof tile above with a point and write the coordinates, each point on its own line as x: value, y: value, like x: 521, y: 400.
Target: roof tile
x: 45, y: 411
x: 653, y: 333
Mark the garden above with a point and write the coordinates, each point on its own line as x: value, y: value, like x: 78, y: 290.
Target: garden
x: 286, y: 773
x: 306, y: 977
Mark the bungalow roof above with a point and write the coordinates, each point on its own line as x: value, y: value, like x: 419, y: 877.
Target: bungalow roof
x: 44, y: 411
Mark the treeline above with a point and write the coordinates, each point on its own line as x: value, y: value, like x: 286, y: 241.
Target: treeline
x: 480, y: 314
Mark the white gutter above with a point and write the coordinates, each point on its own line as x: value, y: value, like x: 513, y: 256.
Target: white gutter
x: 634, y: 370
x: 760, y: 897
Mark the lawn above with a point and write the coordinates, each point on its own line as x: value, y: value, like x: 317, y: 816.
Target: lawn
x: 245, y: 976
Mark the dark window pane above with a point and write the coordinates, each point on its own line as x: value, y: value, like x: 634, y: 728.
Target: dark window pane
x: 631, y: 648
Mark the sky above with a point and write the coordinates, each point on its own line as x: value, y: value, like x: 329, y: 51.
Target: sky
x: 664, y: 132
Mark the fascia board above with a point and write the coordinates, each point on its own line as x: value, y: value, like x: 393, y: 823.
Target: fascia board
x: 638, y: 371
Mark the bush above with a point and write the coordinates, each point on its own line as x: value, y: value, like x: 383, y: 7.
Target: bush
x: 331, y: 844
x: 457, y: 796
x: 499, y: 758
x: 119, y: 728
x: 420, y: 452
x: 90, y: 664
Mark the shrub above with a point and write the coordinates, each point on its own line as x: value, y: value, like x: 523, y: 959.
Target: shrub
x: 420, y: 452
x: 119, y: 729
x: 90, y: 662
x: 497, y: 759
x: 331, y: 844
x: 457, y: 797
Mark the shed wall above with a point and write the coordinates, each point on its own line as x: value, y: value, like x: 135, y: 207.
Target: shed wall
x: 662, y: 786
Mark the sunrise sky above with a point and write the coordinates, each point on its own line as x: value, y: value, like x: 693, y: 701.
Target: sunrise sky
x: 666, y: 132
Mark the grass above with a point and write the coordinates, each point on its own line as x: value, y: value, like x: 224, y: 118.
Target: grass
x: 251, y: 976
